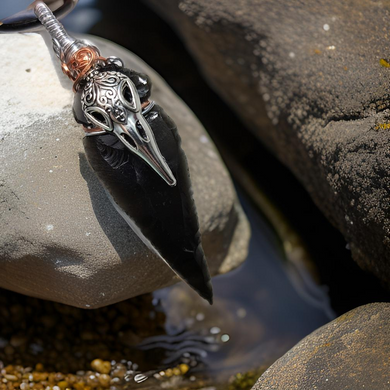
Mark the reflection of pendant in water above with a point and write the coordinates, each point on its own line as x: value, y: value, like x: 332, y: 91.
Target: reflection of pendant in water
x: 134, y: 149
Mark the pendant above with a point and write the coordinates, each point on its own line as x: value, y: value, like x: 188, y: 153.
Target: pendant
x: 134, y: 148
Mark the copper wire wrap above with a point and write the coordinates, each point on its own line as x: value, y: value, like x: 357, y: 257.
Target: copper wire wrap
x: 80, y: 63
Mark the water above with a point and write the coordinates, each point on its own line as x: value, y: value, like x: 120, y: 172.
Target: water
x: 260, y: 311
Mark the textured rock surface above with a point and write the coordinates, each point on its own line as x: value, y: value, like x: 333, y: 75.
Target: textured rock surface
x: 60, y: 237
x: 351, y: 352
x: 308, y: 80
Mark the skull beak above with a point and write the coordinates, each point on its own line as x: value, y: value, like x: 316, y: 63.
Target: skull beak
x: 138, y: 137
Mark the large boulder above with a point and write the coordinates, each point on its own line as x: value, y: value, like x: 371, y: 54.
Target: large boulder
x: 311, y: 80
x: 60, y: 237
x: 351, y: 352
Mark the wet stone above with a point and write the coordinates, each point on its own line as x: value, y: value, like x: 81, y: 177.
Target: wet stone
x: 314, y: 91
x: 351, y: 352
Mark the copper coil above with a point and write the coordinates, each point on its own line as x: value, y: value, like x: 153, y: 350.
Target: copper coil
x: 80, y: 64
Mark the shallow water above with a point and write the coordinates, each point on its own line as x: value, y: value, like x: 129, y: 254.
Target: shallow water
x: 260, y: 310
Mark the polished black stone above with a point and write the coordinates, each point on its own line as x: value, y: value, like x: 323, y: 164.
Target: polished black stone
x: 25, y: 20
x: 165, y: 215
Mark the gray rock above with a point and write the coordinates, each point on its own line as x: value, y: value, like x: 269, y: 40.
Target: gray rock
x: 308, y: 79
x: 351, y: 352
x: 60, y: 237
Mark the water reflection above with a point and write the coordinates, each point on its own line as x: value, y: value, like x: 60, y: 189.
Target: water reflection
x: 259, y: 312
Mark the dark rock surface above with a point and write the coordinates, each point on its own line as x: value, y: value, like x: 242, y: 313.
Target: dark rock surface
x: 310, y: 81
x: 351, y: 352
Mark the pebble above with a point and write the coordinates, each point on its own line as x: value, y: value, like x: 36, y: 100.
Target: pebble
x: 104, y: 380
x: 101, y: 366
x: 11, y: 377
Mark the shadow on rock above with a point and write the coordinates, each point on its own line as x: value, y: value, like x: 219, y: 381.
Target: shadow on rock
x: 113, y: 225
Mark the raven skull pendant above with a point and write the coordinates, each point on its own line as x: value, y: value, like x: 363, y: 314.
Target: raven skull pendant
x: 134, y: 148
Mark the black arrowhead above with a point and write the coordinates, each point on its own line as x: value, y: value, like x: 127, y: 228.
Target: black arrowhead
x: 164, y: 217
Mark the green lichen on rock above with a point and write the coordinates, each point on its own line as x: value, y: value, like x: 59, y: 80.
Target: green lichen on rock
x: 245, y: 381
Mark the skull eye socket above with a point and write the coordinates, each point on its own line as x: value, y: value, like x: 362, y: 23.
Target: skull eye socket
x: 98, y: 117
x: 141, y: 131
x: 129, y: 96
x: 129, y: 140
